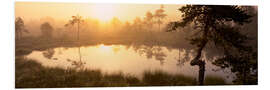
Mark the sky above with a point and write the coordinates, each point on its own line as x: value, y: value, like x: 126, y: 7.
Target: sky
x: 101, y: 11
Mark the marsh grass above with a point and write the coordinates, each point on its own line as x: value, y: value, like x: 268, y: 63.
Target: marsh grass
x: 161, y: 78
x: 31, y: 74
x: 214, y: 80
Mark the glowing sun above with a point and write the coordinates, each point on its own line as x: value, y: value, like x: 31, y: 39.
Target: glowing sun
x: 103, y: 12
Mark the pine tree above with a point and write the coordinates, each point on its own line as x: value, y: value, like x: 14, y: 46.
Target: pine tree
x: 214, y: 24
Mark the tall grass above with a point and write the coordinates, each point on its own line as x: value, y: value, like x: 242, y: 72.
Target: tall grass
x: 161, y: 78
x: 214, y: 80
x: 30, y: 74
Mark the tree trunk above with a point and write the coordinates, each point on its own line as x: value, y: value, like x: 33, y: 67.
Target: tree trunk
x: 244, y: 74
x: 201, y: 72
x: 16, y: 35
x: 159, y: 21
x: 19, y: 35
x: 78, y: 35
x: 80, y: 56
x: 159, y: 27
x: 200, y: 63
x: 197, y: 60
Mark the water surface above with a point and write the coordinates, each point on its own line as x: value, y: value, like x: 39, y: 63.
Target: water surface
x: 133, y: 60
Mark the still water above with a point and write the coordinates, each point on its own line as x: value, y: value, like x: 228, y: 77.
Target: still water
x: 132, y: 60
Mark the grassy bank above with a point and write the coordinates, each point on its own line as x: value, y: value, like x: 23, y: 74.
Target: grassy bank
x: 30, y: 74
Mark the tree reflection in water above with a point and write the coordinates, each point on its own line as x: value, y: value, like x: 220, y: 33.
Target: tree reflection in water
x: 151, y: 51
x: 48, y: 53
x: 184, y: 56
x: 158, y: 52
x: 77, y: 64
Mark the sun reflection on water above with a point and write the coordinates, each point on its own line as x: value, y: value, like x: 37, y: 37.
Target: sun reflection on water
x: 104, y: 48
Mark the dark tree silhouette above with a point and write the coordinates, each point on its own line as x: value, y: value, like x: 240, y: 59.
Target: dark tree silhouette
x: 245, y: 62
x: 149, y: 20
x: 137, y: 24
x: 116, y: 23
x: 76, y: 20
x: 127, y: 25
x: 46, y: 30
x: 159, y: 15
x: 19, y: 28
x: 213, y: 24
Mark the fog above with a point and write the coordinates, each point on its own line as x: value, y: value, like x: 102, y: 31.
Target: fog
x: 111, y: 40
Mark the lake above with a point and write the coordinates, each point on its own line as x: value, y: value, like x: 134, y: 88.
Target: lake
x: 132, y: 60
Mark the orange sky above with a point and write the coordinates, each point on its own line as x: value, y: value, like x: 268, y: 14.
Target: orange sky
x: 101, y: 11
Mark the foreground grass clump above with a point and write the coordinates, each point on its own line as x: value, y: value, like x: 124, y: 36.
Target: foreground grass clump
x: 214, y: 80
x: 160, y: 78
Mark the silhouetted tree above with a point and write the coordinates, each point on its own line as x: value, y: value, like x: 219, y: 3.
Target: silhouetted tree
x: 214, y: 24
x: 148, y: 20
x: 91, y: 23
x: 76, y: 20
x: 127, y: 25
x: 19, y: 28
x: 115, y: 23
x: 244, y: 63
x: 137, y: 23
x: 159, y: 15
x: 46, y: 30
x: 48, y: 19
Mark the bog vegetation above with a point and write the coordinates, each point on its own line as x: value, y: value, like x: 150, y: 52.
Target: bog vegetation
x: 232, y: 30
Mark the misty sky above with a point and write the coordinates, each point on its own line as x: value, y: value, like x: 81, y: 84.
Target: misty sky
x: 102, y: 12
